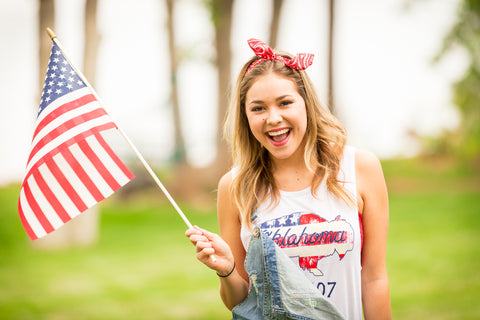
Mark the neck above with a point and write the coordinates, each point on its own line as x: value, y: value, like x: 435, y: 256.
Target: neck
x: 291, y: 174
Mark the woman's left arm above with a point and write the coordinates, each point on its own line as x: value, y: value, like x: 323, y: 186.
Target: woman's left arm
x: 373, y: 205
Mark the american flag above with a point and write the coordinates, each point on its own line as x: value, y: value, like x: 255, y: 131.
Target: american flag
x: 70, y: 167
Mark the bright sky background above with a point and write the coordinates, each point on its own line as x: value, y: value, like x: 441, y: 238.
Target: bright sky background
x: 385, y: 82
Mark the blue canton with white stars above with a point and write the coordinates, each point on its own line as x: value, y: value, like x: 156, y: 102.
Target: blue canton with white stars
x: 285, y: 221
x: 60, y: 79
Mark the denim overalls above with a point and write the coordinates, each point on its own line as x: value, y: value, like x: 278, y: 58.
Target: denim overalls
x: 278, y: 289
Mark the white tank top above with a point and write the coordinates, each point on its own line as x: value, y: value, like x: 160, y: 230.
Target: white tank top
x: 322, y: 235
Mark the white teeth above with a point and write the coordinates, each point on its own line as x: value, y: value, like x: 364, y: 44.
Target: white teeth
x: 277, y: 133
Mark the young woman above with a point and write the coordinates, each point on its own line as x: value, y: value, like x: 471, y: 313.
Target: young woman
x: 324, y: 204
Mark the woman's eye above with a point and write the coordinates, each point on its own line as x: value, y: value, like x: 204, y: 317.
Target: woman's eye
x: 285, y: 103
x: 256, y: 109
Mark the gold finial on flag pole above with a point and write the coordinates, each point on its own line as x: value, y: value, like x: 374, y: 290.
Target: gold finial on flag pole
x: 51, y: 33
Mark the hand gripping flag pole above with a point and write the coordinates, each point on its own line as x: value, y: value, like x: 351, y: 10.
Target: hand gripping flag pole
x: 132, y: 146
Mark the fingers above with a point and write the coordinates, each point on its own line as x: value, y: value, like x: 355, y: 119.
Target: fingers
x: 210, y: 235
x: 202, y: 243
x: 198, y: 233
x: 205, y: 253
x: 210, y: 248
x: 192, y: 231
x: 195, y: 236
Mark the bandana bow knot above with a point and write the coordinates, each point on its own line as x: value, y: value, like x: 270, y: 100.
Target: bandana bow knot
x: 299, y: 62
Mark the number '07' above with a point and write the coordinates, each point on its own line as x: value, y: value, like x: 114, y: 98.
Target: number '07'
x: 323, y: 288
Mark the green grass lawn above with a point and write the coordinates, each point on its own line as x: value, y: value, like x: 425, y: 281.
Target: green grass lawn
x: 143, y: 267
x: 433, y: 253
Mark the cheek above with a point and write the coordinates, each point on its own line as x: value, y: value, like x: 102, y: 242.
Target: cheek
x: 302, y: 122
x: 304, y: 117
x: 254, y: 122
x: 256, y: 127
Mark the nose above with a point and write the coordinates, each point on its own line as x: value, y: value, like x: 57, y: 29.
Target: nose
x: 274, y: 116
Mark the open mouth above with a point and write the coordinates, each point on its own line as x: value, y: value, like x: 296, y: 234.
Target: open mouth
x: 279, y: 137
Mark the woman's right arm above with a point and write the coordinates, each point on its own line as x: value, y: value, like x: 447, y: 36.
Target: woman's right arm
x: 234, y: 288
x: 227, y: 248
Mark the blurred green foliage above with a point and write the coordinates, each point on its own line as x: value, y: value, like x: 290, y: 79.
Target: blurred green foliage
x: 143, y: 267
x: 465, y: 33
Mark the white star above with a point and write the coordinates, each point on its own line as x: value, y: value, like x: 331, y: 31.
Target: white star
x: 56, y: 60
x: 282, y: 221
x: 65, y: 62
x: 54, y: 67
x: 60, y: 84
x: 51, y: 83
x: 57, y: 52
x: 62, y: 76
x: 72, y: 72
x: 79, y: 82
x: 70, y: 79
x: 63, y: 69
x: 58, y: 91
x: 49, y: 91
x: 52, y: 75
x: 47, y: 99
x: 69, y: 86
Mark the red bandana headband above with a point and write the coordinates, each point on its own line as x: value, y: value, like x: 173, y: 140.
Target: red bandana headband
x: 300, y: 62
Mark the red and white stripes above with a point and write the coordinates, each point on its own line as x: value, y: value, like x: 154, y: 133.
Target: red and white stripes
x: 70, y: 167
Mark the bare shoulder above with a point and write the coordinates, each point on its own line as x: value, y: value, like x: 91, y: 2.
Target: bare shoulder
x: 225, y: 182
x: 224, y: 198
x: 366, y: 162
x: 370, y: 180
x: 226, y: 208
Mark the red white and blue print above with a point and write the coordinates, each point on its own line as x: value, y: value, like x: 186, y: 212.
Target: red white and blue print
x: 310, y: 238
x: 70, y: 166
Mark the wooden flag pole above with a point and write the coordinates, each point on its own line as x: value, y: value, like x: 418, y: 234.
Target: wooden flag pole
x: 132, y: 146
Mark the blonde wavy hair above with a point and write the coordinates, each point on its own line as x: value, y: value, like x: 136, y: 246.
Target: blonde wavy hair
x: 325, y: 141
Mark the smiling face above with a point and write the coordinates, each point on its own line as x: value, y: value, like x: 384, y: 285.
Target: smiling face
x: 277, y: 116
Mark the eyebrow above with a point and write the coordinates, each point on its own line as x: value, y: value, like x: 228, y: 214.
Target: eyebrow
x: 261, y: 101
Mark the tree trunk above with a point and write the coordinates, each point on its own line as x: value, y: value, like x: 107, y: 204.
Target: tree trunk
x: 331, y: 33
x: 46, y: 18
x: 274, y: 24
x: 92, y: 41
x: 185, y: 184
x: 222, y: 15
x: 179, y: 155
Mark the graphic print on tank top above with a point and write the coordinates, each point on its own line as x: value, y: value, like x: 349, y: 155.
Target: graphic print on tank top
x: 310, y: 237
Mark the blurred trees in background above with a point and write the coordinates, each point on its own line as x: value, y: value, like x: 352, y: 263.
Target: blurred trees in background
x: 221, y: 12
x: 464, y: 141
x: 221, y: 16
